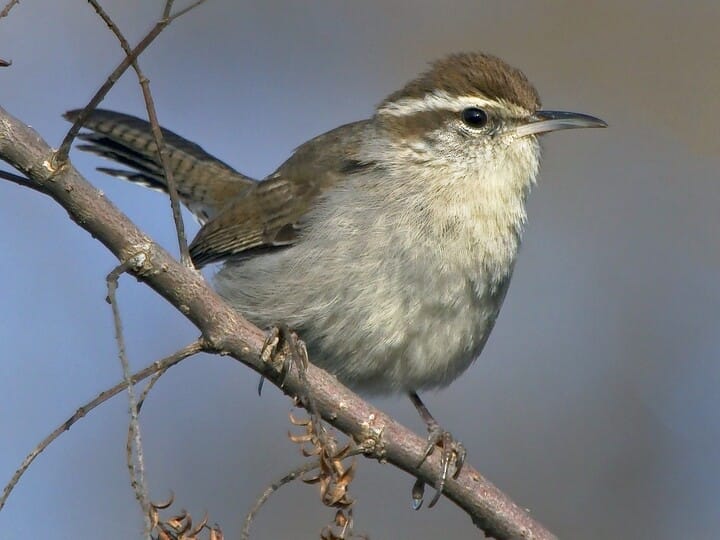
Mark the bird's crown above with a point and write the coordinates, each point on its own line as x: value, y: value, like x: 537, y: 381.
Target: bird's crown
x: 471, y: 77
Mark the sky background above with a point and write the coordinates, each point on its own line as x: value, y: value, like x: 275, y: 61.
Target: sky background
x: 595, y: 402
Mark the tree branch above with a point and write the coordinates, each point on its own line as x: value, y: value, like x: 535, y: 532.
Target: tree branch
x: 227, y: 332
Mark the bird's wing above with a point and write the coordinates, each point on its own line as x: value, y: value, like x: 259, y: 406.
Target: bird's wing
x: 269, y: 215
x: 240, y: 216
x: 204, y: 183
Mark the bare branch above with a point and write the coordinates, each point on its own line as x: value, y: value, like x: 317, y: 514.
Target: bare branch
x: 183, y: 11
x: 4, y: 13
x: 156, y: 131
x: 135, y: 459
x: 156, y: 377
x: 6, y: 10
x: 61, y: 155
x: 227, y: 332
x: 159, y: 367
x: 20, y: 180
x: 167, y: 8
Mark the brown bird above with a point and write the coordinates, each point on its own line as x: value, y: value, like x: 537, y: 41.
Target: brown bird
x: 387, y: 243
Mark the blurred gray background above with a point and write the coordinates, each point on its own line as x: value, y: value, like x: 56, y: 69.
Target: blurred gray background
x: 595, y: 401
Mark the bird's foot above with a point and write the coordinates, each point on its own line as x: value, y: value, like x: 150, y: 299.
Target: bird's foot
x: 283, y: 349
x: 452, y: 455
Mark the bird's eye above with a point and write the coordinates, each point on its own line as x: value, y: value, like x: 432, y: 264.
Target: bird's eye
x: 474, y: 117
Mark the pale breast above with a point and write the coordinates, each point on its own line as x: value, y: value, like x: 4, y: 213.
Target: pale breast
x: 382, y: 301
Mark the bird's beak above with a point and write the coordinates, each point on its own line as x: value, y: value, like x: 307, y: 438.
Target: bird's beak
x: 545, y: 121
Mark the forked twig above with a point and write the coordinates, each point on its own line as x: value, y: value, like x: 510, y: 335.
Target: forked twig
x: 159, y: 366
x: 154, y: 124
x: 61, y: 155
x: 184, y: 10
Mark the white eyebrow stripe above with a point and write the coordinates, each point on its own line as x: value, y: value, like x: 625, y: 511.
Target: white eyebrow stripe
x: 441, y: 100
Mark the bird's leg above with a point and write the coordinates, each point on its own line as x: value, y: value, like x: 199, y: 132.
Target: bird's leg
x: 453, y: 452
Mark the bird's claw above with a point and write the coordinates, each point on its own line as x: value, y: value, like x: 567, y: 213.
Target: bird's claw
x: 417, y: 493
x: 452, y: 454
x: 283, y: 348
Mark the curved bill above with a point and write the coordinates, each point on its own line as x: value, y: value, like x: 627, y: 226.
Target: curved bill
x: 545, y: 121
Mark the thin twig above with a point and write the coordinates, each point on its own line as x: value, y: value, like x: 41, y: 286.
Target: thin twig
x: 159, y: 366
x: 156, y: 132
x: 61, y: 155
x: 133, y: 429
x: 167, y: 8
x: 169, y: 177
x: 20, y: 180
x: 272, y: 488
x: 4, y: 13
x: 184, y: 10
x: 136, y: 464
x: 151, y: 383
x: 280, y: 482
x: 6, y: 10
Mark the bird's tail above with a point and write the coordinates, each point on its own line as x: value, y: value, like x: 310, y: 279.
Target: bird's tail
x: 204, y: 183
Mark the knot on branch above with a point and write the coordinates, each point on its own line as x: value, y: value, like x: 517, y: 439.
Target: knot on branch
x: 370, y: 439
x: 138, y: 260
